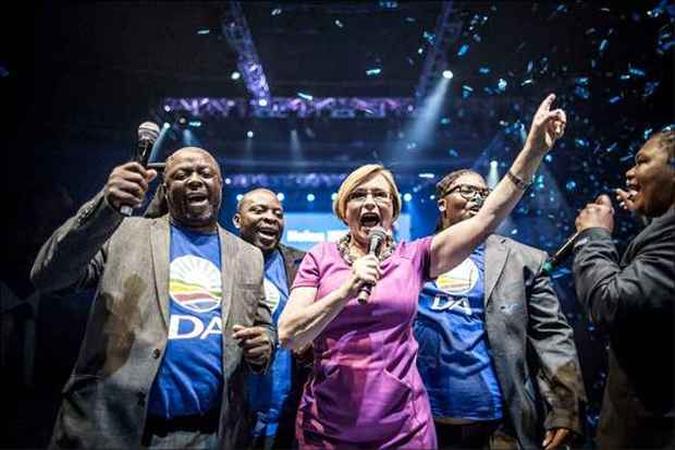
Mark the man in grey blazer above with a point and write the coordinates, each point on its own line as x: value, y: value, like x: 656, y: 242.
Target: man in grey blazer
x: 632, y: 299
x: 275, y: 395
x: 178, y: 309
x: 496, y: 352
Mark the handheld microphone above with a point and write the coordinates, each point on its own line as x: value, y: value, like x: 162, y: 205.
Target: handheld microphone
x: 376, y: 237
x: 560, y: 254
x: 148, y: 132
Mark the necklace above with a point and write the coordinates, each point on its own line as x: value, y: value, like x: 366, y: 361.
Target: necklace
x: 386, y: 250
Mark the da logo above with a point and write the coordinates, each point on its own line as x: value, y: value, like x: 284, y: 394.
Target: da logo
x: 459, y: 280
x: 195, y: 284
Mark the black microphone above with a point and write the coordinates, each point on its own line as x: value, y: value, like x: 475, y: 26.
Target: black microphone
x: 148, y: 132
x: 560, y: 254
x: 376, y: 238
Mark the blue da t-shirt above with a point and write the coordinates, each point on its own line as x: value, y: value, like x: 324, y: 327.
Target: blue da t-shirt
x: 268, y: 392
x: 454, y: 358
x: 189, y: 380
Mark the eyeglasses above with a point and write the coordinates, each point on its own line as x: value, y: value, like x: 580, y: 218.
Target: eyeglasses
x: 468, y: 192
x: 359, y: 196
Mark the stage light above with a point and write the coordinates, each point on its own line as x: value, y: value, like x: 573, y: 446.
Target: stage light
x: 249, y: 134
x: 228, y: 180
x: 167, y: 108
x: 407, y: 197
x: 239, y: 197
x: 448, y: 75
x: 195, y: 123
x: 262, y: 102
x: 281, y: 196
x: 427, y: 175
x: 166, y: 125
x: 311, y: 197
x: 494, y: 164
x: 333, y: 196
x: 234, y: 76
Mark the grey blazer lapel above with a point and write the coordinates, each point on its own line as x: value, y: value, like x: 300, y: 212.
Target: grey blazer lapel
x: 227, y: 260
x: 159, y: 244
x: 496, y: 253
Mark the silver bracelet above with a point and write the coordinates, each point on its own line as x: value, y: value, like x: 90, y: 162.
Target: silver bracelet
x: 519, y: 182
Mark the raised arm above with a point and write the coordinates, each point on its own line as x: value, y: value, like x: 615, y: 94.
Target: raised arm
x: 455, y: 243
x: 74, y: 255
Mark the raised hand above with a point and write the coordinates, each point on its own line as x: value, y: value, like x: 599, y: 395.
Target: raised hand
x: 599, y: 214
x: 127, y: 185
x: 547, y: 125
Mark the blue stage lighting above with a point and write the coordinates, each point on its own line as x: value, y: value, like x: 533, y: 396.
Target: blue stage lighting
x: 281, y: 196
x: 407, y: 197
x: 234, y: 76
x: 448, y: 75
x: 249, y: 134
x: 311, y: 197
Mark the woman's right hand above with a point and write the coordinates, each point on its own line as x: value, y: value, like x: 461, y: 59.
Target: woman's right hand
x: 365, y: 271
x: 547, y: 126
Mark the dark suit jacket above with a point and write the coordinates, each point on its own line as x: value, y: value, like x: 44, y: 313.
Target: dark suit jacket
x: 531, y: 342
x: 633, y: 301
x: 285, y: 436
x: 127, y: 260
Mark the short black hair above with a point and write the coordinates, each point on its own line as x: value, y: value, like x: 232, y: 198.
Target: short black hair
x: 443, y: 185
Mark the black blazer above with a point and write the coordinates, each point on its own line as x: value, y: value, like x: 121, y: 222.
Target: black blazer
x: 632, y: 300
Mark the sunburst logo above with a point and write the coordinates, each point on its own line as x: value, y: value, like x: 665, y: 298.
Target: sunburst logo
x: 459, y: 280
x: 195, y: 284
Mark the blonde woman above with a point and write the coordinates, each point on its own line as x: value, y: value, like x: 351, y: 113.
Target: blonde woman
x: 365, y: 390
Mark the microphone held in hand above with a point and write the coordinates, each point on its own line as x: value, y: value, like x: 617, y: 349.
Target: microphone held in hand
x: 560, y: 254
x: 148, y: 132
x: 376, y: 238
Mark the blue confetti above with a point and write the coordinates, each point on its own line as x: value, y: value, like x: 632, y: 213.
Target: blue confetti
x: 410, y: 60
x: 637, y: 72
x: 410, y: 19
x: 305, y: 96
x: 530, y: 66
x: 338, y: 23
x: 526, y: 82
x: 614, y: 100
x: 484, y: 70
x: 445, y: 121
x: 603, y: 45
x: 276, y: 11
x: 548, y: 158
x: 582, y: 92
x: 429, y: 37
x: 647, y: 133
x: 612, y: 147
x: 463, y: 49
x: 501, y: 85
x: 373, y: 72
x: 571, y: 185
x: 580, y: 142
x: 466, y: 91
x: 454, y: 153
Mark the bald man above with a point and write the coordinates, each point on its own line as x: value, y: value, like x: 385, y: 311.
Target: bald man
x: 178, y: 317
x: 274, y: 396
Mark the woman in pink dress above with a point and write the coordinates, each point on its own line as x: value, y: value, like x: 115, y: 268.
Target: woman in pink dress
x: 364, y: 390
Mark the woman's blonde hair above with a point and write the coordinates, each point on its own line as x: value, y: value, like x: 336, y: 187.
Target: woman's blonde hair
x: 358, y: 177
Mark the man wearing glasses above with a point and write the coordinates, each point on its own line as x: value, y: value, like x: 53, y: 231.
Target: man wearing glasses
x: 495, y: 351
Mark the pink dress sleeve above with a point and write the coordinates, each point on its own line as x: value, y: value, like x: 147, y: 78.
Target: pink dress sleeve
x: 309, y: 274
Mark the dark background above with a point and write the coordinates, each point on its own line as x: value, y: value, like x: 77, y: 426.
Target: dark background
x: 76, y: 79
